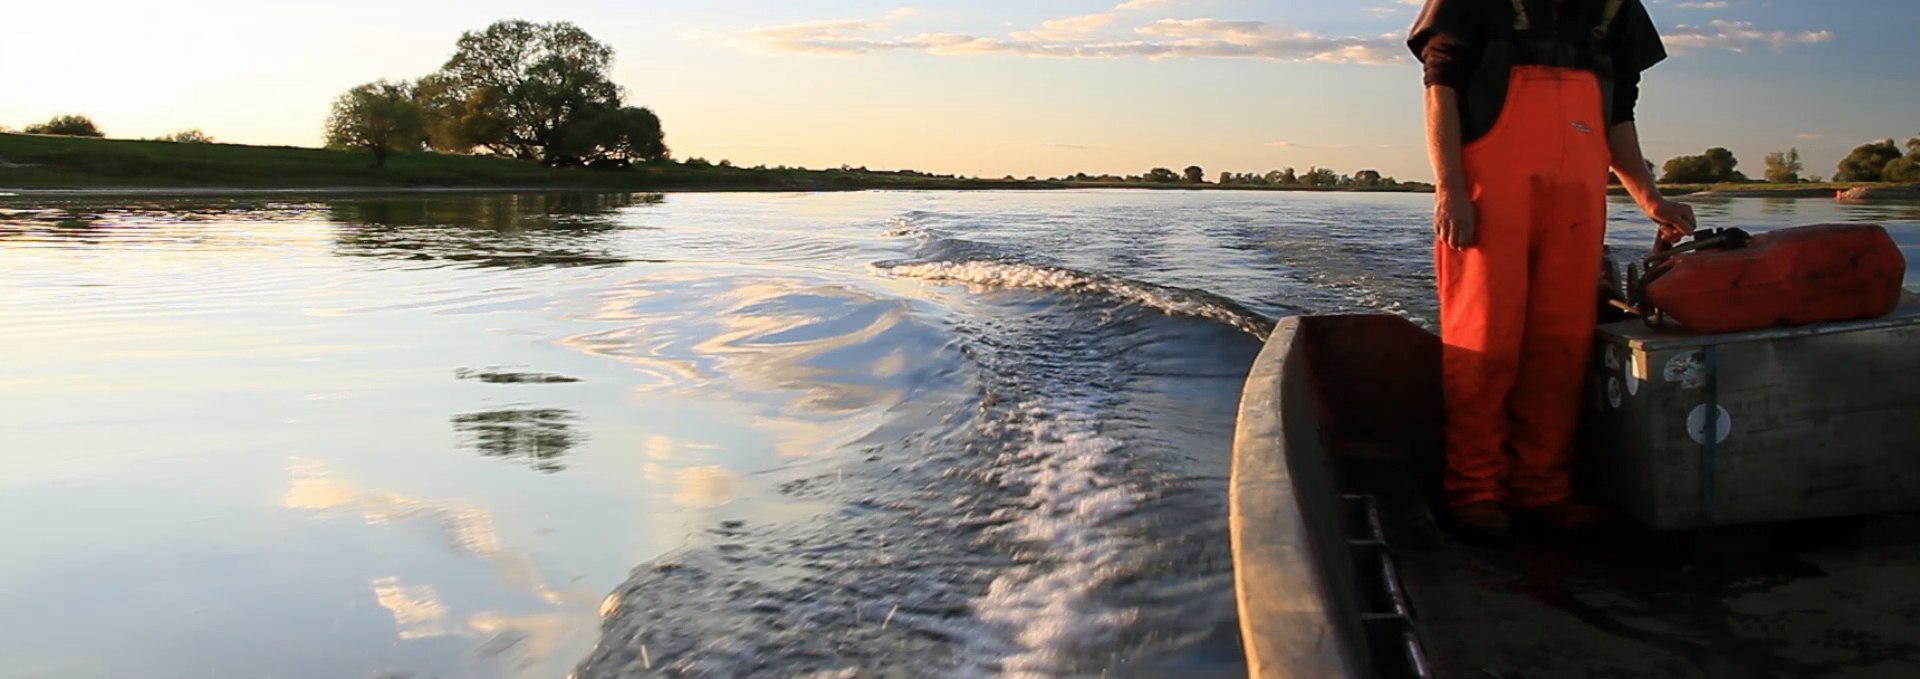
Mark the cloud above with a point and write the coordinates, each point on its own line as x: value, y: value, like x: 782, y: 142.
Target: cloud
x: 1080, y: 37
x: 465, y: 529
x: 812, y: 37
x: 1807, y: 136
x: 1063, y: 145
x: 1070, y: 28
x: 1737, y: 36
x: 417, y: 611
x: 1398, y: 6
x: 1711, y: 4
x: 902, y: 13
x: 1140, y: 4
x: 702, y: 486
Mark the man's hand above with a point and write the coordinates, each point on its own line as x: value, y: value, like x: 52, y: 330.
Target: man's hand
x: 1676, y: 220
x: 1454, y: 218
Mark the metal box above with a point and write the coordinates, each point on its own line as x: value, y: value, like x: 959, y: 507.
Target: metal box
x: 1811, y: 421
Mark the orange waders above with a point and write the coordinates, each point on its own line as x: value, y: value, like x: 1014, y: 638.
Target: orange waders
x: 1517, y: 308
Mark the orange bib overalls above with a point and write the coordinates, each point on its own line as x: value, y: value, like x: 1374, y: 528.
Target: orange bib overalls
x: 1517, y: 308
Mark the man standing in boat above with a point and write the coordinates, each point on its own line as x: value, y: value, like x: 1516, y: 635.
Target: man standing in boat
x: 1528, y: 104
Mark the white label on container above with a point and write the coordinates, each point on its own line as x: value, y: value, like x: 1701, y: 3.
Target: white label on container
x: 1697, y: 425
x: 1689, y: 369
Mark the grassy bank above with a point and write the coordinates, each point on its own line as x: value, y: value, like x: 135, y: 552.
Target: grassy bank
x: 1759, y: 190
x: 43, y: 162
x: 46, y: 162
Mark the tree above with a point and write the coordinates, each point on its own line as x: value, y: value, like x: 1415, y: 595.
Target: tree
x: 67, y: 126
x: 537, y: 92
x: 1784, y: 168
x: 1161, y: 175
x: 1320, y: 176
x: 188, y: 137
x: 457, y: 119
x: 1367, y: 178
x: 381, y: 117
x: 1283, y: 177
x: 1714, y: 166
x: 1723, y: 164
x: 1905, y: 168
x: 1687, y: 170
x: 1867, y: 162
x: 1195, y: 175
x: 1902, y: 169
x: 625, y: 134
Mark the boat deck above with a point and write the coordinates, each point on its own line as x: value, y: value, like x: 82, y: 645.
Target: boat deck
x: 1342, y: 414
x: 1825, y: 598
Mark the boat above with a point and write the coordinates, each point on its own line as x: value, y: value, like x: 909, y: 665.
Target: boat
x: 1344, y: 568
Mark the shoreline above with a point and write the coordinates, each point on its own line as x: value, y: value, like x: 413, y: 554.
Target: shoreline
x: 1783, y: 192
x: 166, y: 191
x: 38, y: 166
x: 38, y: 191
x: 1675, y: 191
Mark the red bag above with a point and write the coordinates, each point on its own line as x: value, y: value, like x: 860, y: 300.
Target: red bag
x: 1807, y: 274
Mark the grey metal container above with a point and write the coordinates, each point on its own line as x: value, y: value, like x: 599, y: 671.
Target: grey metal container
x: 1812, y: 421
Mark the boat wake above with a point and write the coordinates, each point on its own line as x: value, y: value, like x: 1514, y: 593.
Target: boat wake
x: 1174, y: 301
x: 1049, y: 508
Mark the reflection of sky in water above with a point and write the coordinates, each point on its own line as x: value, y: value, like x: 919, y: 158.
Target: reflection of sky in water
x: 429, y: 435
x: 164, y: 371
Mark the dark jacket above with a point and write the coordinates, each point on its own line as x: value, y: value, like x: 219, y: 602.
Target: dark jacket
x: 1450, y: 37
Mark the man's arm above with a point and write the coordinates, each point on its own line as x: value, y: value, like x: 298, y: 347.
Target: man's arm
x: 1443, y: 136
x: 1453, y: 217
x: 1629, y: 163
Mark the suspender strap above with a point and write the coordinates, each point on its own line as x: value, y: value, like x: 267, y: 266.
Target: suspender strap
x: 1606, y: 19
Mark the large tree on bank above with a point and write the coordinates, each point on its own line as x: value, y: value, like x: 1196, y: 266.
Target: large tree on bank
x: 381, y: 117
x: 538, y: 92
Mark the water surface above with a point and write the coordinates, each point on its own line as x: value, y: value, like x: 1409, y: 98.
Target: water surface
x: 910, y: 434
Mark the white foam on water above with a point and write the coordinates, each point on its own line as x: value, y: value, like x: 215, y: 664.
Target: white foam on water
x: 902, y: 226
x: 1017, y: 275
x: 1043, y: 615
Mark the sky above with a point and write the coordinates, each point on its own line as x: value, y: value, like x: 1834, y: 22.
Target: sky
x: 973, y: 87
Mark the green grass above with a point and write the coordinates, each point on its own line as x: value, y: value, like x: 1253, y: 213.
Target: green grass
x: 1822, y: 189
x: 46, y: 162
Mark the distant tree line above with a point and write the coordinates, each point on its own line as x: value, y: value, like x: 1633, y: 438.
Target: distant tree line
x: 1879, y: 161
x: 68, y: 125
x: 540, y: 92
x: 75, y: 125
x: 1318, y: 177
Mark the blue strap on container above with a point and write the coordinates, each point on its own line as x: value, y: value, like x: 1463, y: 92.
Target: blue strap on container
x: 1709, y: 462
